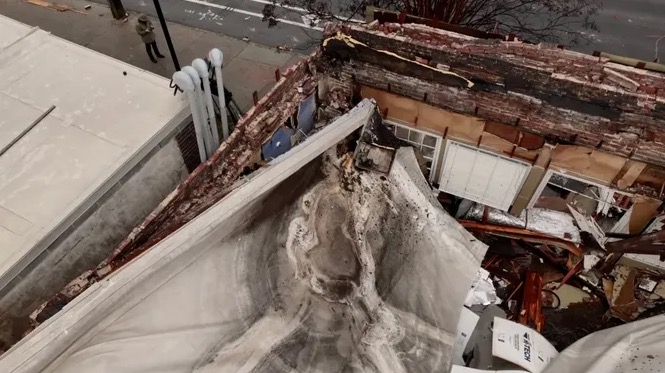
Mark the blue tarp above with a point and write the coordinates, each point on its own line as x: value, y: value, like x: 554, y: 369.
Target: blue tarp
x: 279, y: 144
x: 306, y: 112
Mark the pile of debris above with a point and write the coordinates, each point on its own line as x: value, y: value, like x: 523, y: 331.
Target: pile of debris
x: 563, y: 271
x: 555, y: 276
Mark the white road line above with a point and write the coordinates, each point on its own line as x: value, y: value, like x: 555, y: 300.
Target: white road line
x: 303, y: 10
x: 295, y: 8
x: 253, y: 14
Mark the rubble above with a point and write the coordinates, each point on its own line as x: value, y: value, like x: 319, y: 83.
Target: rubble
x: 564, y: 285
x: 555, y: 223
x: 482, y: 291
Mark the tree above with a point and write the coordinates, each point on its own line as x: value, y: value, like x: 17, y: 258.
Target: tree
x: 556, y: 21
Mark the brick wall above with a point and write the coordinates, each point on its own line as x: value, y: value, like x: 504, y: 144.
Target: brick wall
x: 207, y: 184
x: 561, y: 95
x: 213, y: 179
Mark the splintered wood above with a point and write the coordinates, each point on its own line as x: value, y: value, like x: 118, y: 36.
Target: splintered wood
x: 531, y: 313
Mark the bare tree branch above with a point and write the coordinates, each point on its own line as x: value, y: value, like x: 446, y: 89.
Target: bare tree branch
x: 538, y: 20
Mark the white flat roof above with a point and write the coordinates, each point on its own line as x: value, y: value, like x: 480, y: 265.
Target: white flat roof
x: 104, y: 123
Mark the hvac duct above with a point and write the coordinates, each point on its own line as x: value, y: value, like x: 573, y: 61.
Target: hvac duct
x: 202, y: 68
x: 184, y: 82
x: 199, y: 107
x: 216, y: 57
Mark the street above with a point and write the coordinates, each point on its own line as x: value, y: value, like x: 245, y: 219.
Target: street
x: 628, y: 28
x: 240, y: 19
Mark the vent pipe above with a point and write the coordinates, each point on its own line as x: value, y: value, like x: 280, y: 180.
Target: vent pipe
x: 186, y: 84
x: 216, y: 57
x: 201, y: 67
x: 200, y: 109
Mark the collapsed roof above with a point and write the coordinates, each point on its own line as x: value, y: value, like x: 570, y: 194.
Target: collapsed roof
x: 533, y: 103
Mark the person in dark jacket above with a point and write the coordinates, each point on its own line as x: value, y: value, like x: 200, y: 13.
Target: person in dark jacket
x: 145, y: 28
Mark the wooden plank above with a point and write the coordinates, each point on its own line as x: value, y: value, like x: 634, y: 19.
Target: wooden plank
x: 523, y: 234
x: 629, y: 173
x: 652, y: 176
x: 605, y: 166
x: 544, y: 157
x: 653, y: 243
x: 531, y: 314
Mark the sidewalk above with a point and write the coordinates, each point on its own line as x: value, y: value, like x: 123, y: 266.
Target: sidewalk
x: 247, y: 67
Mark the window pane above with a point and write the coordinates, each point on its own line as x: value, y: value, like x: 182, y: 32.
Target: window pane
x: 430, y: 141
x: 401, y: 133
x: 416, y: 137
x: 428, y: 152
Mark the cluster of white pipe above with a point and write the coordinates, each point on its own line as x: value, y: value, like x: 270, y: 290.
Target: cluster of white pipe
x: 200, y: 101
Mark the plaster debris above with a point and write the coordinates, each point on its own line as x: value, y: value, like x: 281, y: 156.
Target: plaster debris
x: 482, y: 291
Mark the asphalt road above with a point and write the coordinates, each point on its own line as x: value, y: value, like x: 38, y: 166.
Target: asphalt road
x: 629, y: 28
x: 241, y: 19
x: 626, y: 27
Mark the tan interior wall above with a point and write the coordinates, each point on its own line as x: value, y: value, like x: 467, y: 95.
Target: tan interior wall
x: 464, y: 128
x: 587, y: 163
x: 653, y: 177
x: 644, y: 209
x: 603, y: 168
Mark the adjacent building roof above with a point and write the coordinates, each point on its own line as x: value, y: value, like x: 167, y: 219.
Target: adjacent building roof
x: 108, y: 115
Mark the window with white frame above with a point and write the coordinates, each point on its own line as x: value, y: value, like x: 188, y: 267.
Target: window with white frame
x: 427, y: 143
x: 606, y: 205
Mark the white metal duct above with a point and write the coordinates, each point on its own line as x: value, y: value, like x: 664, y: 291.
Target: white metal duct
x: 481, y: 176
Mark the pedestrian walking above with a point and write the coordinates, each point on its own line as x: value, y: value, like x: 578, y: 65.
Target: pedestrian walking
x: 145, y: 28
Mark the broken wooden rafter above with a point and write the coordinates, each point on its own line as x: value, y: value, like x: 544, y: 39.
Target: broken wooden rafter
x: 522, y: 234
x: 653, y: 243
x: 531, y: 314
x: 573, y: 271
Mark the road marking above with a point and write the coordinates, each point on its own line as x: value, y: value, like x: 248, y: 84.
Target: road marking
x: 295, y: 8
x: 303, y: 10
x: 253, y: 14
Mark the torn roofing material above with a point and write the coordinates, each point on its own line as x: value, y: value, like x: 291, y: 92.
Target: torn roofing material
x: 370, y: 295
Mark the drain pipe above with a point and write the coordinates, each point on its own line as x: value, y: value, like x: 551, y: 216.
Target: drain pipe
x: 184, y: 82
x: 216, y: 57
x: 198, y: 101
x: 202, y: 68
